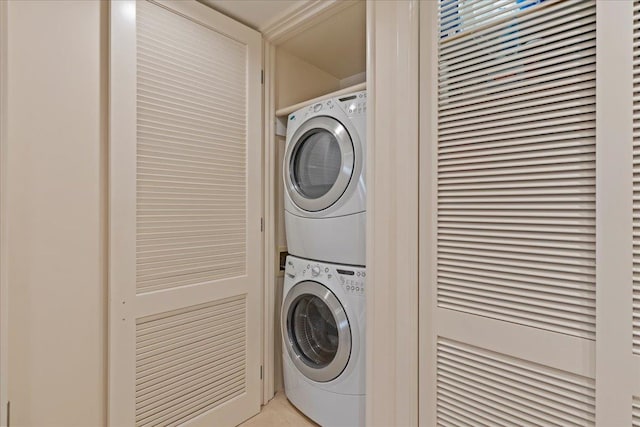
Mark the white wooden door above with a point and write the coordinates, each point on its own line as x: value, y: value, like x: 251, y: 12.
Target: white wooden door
x: 510, y: 266
x: 185, y: 209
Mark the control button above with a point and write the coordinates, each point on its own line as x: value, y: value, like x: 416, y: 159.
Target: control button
x: 291, y: 270
x: 326, y: 270
x: 357, y: 288
x: 358, y: 274
x: 315, y: 271
x: 317, y: 107
x: 364, y: 274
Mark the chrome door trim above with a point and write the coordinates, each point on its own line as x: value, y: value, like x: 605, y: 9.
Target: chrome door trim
x: 347, y: 163
x: 339, y: 362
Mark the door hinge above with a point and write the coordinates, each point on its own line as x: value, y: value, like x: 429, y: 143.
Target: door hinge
x: 260, y: 371
x: 261, y: 224
x: 262, y: 76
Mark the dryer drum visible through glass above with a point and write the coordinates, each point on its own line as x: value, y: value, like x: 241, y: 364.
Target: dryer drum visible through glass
x: 319, y: 163
x: 316, y: 330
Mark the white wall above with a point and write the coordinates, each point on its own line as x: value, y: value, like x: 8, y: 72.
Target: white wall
x: 297, y: 80
x: 56, y: 145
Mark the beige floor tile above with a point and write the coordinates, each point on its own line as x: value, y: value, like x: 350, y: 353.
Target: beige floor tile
x: 279, y: 412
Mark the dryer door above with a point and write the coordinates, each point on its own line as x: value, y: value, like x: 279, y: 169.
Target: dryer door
x: 319, y: 163
x: 316, y: 331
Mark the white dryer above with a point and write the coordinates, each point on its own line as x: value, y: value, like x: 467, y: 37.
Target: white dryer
x: 324, y: 177
x: 323, y: 333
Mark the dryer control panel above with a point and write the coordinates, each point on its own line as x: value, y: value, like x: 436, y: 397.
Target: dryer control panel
x: 353, y: 105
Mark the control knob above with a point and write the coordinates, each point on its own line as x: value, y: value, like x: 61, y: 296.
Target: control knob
x: 315, y: 271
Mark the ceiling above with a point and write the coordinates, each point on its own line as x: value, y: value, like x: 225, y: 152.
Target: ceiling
x: 257, y: 14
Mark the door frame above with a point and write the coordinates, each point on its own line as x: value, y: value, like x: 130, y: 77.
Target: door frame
x: 392, y: 212
x: 4, y: 306
x: 428, y: 216
x: 616, y: 374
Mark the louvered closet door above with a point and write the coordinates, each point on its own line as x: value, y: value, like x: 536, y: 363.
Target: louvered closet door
x: 513, y: 269
x: 185, y: 203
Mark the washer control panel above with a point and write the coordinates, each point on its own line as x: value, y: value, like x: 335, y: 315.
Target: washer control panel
x: 352, y: 280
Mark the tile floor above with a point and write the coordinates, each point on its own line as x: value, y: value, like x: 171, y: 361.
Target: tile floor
x: 279, y: 413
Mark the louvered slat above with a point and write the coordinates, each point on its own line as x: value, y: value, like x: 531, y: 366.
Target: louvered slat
x: 479, y: 387
x: 189, y: 361
x: 636, y: 180
x: 191, y: 153
x: 459, y: 16
x: 516, y: 162
x: 635, y: 404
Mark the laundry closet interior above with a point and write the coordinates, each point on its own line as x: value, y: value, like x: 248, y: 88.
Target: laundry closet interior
x: 324, y: 59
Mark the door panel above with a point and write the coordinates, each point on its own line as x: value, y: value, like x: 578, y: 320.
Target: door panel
x: 512, y: 271
x: 185, y: 216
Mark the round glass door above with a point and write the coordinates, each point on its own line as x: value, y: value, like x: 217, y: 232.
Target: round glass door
x: 319, y: 163
x: 316, y: 163
x: 316, y: 331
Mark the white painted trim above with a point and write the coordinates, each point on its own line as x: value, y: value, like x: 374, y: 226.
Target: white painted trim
x: 270, y: 217
x: 428, y: 225
x: 286, y: 14
x: 614, y: 224
x: 392, y: 213
x: 305, y: 16
x: 4, y: 290
x: 122, y: 170
x: 284, y: 112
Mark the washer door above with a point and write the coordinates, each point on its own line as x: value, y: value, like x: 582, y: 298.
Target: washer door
x: 319, y: 163
x: 316, y: 331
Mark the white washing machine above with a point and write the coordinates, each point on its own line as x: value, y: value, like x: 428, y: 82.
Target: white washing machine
x: 323, y: 333
x: 324, y: 177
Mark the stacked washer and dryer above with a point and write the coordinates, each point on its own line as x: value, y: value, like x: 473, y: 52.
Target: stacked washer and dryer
x: 323, y: 308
